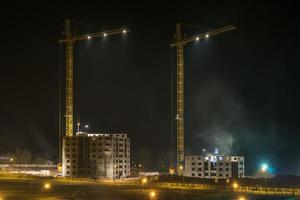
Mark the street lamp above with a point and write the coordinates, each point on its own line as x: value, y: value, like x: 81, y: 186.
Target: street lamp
x: 242, y: 198
x: 181, y: 169
x: 152, y: 194
x: 235, y: 185
x: 144, y: 180
x: 47, y: 186
x: 86, y: 127
x: 264, y: 169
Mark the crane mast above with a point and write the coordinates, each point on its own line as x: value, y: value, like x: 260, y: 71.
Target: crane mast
x: 69, y: 80
x: 179, y: 100
x: 179, y: 43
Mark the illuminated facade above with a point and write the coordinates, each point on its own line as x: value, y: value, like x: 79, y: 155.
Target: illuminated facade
x: 96, y: 155
x: 214, y: 166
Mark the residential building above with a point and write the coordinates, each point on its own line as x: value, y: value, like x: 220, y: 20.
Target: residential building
x: 96, y: 155
x: 214, y: 166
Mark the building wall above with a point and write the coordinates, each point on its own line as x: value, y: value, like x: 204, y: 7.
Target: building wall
x: 221, y: 167
x: 96, y: 155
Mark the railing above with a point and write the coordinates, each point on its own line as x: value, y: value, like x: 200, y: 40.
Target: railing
x: 270, y: 191
x: 186, y: 186
x: 241, y: 189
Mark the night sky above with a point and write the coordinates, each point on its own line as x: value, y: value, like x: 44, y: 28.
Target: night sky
x: 241, y: 86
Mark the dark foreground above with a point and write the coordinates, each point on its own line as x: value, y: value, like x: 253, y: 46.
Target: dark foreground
x: 25, y: 188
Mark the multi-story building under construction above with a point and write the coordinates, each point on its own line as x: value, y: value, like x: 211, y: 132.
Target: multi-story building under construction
x: 214, y: 166
x: 96, y: 155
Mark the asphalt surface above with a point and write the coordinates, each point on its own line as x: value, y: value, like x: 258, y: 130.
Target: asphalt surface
x: 33, y: 189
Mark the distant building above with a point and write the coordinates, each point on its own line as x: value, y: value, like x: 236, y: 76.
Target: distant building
x: 32, y: 169
x: 214, y: 166
x: 96, y: 155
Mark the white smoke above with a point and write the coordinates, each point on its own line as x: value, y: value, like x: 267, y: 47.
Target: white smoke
x: 218, y: 115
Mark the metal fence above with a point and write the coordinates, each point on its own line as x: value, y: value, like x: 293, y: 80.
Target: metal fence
x: 242, y: 189
x: 270, y: 191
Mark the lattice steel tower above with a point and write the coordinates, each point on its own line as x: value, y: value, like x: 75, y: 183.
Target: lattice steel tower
x: 179, y: 43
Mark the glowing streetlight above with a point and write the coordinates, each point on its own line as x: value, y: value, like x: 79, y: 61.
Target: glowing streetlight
x: 207, y: 36
x: 47, y: 186
x: 104, y: 34
x: 235, y: 185
x: 242, y: 198
x: 86, y: 127
x: 264, y: 167
x: 152, y: 194
x: 144, y: 180
x: 197, y: 38
x: 88, y: 37
x: 11, y: 159
x: 124, y: 31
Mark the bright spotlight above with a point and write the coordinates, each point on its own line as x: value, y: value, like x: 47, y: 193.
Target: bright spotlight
x: 104, y: 34
x: 207, y: 35
x: 88, y: 37
x: 124, y: 31
x: 197, y: 38
x: 264, y: 167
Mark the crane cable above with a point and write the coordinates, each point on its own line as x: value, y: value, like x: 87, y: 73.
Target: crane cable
x: 77, y: 85
x: 87, y: 25
x: 197, y: 27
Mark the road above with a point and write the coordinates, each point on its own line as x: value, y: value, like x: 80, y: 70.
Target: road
x: 33, y: 189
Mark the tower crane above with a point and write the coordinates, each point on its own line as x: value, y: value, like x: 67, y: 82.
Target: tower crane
x: 179, y: 44
x: 69, y: 40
